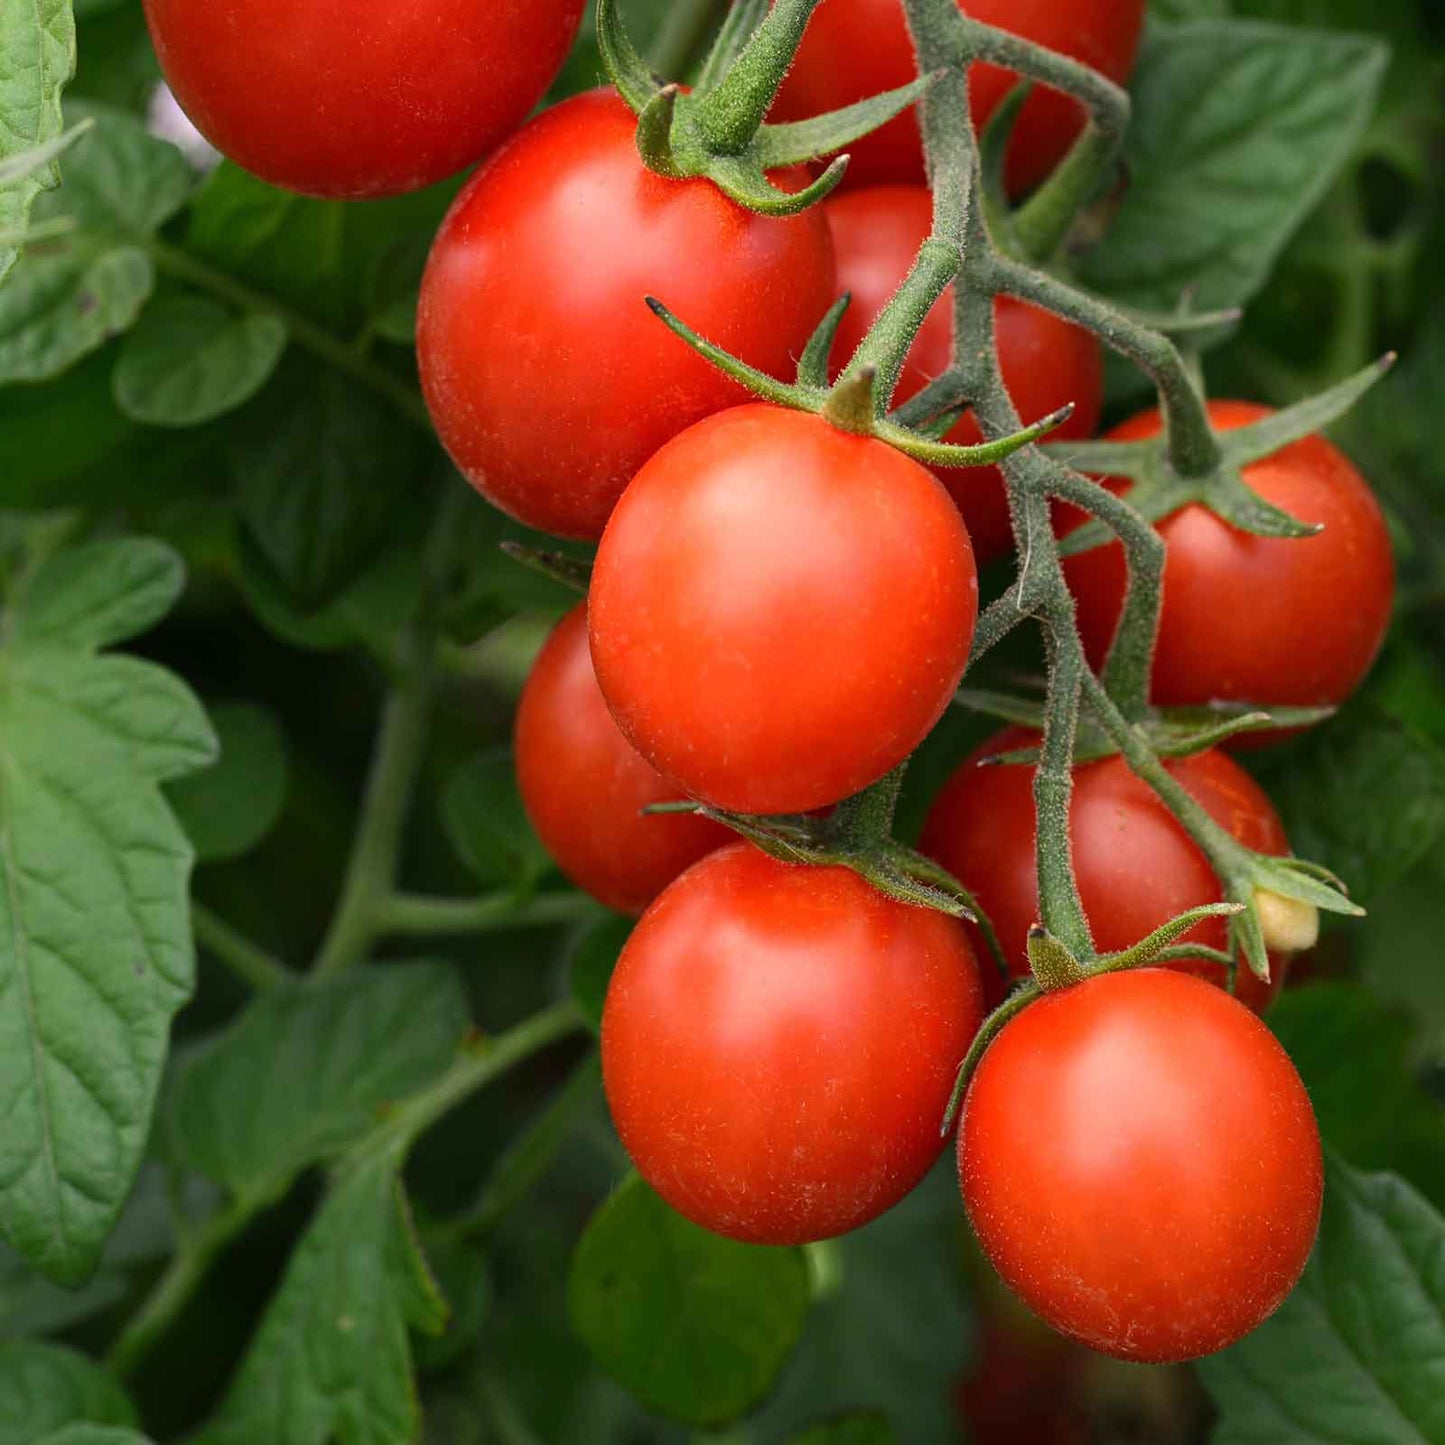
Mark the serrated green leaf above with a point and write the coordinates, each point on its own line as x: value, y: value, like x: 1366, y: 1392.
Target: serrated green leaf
x: 1364, y: 795
x: 1354, y: 1054
x: 230, y: 807
x: 331, y: 1360
x: 462, y: 1276
x: 45, y: 1387
x: 696, y: 1326
x: 1356, y: 1355
x: 487, y: 823
x: 1238, y: 130
x: 95, y: 941
x: 37, y: 57
x: 71, y: 293
x: 306, y: 1070
x: 589, y: 970
x: 190, y: 360
x: 859, y: 1429
x: 321, y: 470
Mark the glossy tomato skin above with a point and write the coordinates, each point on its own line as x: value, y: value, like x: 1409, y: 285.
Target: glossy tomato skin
x: 585, y: 786
x: 1142, y: 1166
x: 780, y: 611
x: 1257, y: 619
x: 364, y: 98
x: 856, y: 48
x: 779, y: 1044
x: 1136, y: 866
x: 548, y: 379
x: 1046, y: 361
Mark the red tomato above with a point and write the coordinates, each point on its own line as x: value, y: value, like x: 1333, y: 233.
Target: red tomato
x: 1136, y: 866
x: 779, y: 1044
x: 585, y: 786
x: 780, y: 610
x: 1257, y: 619
x: 1142, y: 1166
x: 856, y: 48
x: 366, y: 98
x: 1046, y: 361
x: 548, y: 379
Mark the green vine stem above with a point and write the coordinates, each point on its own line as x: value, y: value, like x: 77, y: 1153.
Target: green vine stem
x: 406, y: 913
x: 250, y: 963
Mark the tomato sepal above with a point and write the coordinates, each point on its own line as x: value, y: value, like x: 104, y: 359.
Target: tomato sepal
x: 570, y: 571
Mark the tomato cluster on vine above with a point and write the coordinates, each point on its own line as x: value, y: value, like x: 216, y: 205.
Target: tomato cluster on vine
x: 781, y: 609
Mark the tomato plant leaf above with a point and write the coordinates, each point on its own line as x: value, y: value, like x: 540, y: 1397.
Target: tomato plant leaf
x: 589, y: 970
x: 696, y: 1326
x: 306, y: 1069
x: 189, y: 360
x: 230, y: 807
x: 45, y: 1387
x: 1238, y: 130
x: 85, y: 1434
x: 95, y: 943
x: 884, y: 1331
x: 859, y: 1429
x: 37, y: 57
x: 1354, y: 1053
x: 331, y: 1359
x: 488, y: 826
x: 1365, y: 796
x: 72, y: 292
x: 321, y: 469
x: 1357, y: 1353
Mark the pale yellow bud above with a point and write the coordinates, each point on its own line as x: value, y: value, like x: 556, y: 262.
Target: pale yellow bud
x: 1288, y: 925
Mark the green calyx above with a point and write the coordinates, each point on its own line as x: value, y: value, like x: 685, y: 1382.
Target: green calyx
x: 1158, y: 490
x: 717, y: 129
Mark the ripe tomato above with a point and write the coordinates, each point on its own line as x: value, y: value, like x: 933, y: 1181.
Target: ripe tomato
x: 779, y: 1043
x: 371, y: 98
x: 1136, y: 866
x: 1046, y: 361
x: 1142, y: 1166
x: 1257, y: 619
x: 548, y: 379
x: 855, y: 48
x: 780, y: 610
x: 585, y: 786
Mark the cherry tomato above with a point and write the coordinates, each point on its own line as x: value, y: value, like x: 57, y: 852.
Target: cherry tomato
x: 780, y: 610
x: 371, y: 98
x: 1257, y: 619
x: 585, y: 786
x: 1046, y: 361
x: 548, y: 379
x: 1141, y: 1165
x: 856, y: 48
x: 779, y: 1044
x: 1136, y: 866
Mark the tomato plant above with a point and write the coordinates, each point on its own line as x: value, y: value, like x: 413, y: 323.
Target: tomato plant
x: 753, y: 1073
x: 1137, y: 867
x: 585, y: 786
x: 548, y: 380
x: 1141, y: 1163
x: 1267, y: 646
x: 833, y: 69
x: 364, y: 100
x: 834, y: 583
x: 1046, y: 362
x: 460, y: 984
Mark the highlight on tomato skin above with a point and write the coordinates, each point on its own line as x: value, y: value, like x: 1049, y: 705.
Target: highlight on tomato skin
x: 1142, y: 1166
x: 834, y: 68
x: 1241, y: 615
x: 779, y: 1044
x: 1136, y: 867
x: 347, y: 103
x: 762, y: 675
x: 549, y: 381
x: 1046, y: 362
x: 585, y: 786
